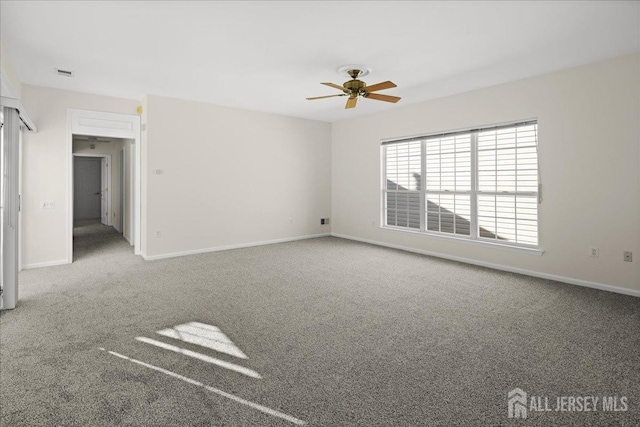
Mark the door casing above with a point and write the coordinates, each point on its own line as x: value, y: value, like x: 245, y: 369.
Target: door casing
x: 110, y: 125
x: 105, y: 194
x: 10, y: 208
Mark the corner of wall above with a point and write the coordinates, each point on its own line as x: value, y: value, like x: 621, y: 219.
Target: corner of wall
x: 11, y: 85
x: 143, y: 174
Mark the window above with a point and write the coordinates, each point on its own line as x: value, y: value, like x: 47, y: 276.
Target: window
x: 480, y: 184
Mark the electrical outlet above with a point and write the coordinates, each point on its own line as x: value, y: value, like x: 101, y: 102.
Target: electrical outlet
x: 158, y: 234
x: 594, y: 252
x: 324, y: 221
x: 628, y: 257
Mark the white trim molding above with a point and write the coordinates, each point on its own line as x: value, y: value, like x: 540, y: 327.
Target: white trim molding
x: 45, y: 264
x: 478, y: 242
x: 237, y: 246
x: 563, y: 279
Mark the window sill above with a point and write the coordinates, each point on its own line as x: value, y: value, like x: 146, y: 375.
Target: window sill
x: 512, y: 248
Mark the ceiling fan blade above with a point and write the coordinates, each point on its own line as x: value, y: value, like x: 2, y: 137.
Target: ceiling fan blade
x: 385, y: 98
x: 335, y: 86
x: 351, y: 102
x: 328, y: 96
x: 380, y: 86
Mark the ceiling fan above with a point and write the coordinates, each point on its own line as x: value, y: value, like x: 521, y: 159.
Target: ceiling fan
x: 355, y: 88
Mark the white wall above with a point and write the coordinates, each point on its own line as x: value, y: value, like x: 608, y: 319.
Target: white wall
x: 230, y: 176
x: 10, y: 85
x: 589, y: 152
x: 44, y: 170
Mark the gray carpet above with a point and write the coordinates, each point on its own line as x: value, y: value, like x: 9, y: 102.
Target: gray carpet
x: 342, y: 333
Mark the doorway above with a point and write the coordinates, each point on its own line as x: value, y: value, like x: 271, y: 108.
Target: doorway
x: 90, y: 189
x: 14, y: 121
x: 93, y: 130
x: 10, y: 146
x: 101, y: 184
x: 93, y: 232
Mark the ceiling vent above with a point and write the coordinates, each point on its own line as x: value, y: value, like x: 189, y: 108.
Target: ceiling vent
x: 64, y: 73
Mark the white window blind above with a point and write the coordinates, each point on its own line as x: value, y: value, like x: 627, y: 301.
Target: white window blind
x: 448, y: 184
x: 403, y: 184
x: 508, y: 184
x: 480, y: 184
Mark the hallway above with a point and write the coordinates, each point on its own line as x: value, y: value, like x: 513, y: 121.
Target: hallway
x: 93, y: 239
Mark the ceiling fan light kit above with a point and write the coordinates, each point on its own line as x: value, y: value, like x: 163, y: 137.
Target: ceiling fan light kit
x: 354, y: 88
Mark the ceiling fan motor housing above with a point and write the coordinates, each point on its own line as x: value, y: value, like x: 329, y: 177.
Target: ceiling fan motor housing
x: 355, y: 87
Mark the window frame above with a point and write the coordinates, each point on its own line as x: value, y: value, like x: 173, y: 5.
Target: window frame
x: 474, y: 192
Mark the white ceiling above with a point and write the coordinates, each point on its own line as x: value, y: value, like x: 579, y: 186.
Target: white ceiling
x: 269, y: 56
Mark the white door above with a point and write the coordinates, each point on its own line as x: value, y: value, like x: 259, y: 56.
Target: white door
x: 104, y: 193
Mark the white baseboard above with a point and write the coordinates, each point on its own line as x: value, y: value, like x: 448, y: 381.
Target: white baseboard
x: 238, y: 246
x: 45, y: 264
x: 569, y: 280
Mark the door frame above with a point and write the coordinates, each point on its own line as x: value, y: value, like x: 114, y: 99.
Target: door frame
x: 123, y: 204
x: 109, y: 181
x: 10, y: 208
x: 110, y: 125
